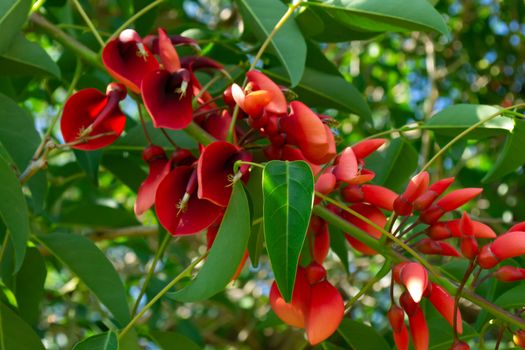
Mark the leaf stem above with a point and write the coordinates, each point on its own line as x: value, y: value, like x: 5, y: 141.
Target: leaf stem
x: 160, y: 294
x: 380, y: 274
x: 88, y: 21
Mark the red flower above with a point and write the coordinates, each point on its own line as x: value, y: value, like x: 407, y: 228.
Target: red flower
x: 449, y: 202
x: 373, y: 214
x: 510, y: 274
x: 414, y: 277
x: 430, y: 247
x: 444, y: 304
x: 128, y: 60
x: 506, y: 246
x: 376, y: 195
x: 403, y: 205
x: 92, y: 120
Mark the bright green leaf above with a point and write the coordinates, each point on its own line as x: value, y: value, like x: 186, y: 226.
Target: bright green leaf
x: 104, y: 341
x: 361, y: 337
x: 288, y: 192
x: 261, y: 16
x: 27, y: 58
x: 92, y: 267
x: 13, y: 14
x: 15, y: 334
x: 29, y: 286
x: 173, y: 341
x: 226, y: 252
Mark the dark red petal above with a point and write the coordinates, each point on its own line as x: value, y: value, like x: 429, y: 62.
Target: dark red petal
x: 199, y: 213
x: 168, y: 55
x: 214, y: 166
x: 444, y: 304
x: 166, y: 107
x: 419, y: 330
x: 218, y: 125
x: 158, y: 169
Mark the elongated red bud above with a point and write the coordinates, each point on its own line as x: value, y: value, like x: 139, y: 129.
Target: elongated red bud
x: 446, y: 229
x: 347, y: 167
x: 403, y: 205
x: 465, y: 225
x: 292, y: 313
x: 396, y: 271
x: 509, y: 245
x: 486, y: 258
x: 434, y: 191
x: 315, y: 273
x: 469, y: 247
x: 321, y: 243
x: 415, y: 278
x: 364, y: 148
x: 519, y: 338
x: 379, y: 196
x: 325, y: 183
x: 396, y: 317
x: 353, y: 193
x: 324, y: 312
x: 457, y: 198
x: 419, y: 330
x: 510, y: 274
x: 444, y: 304
x: 401, y: 338
x: 431, y: 247
x: 460, y: 345
x: 407, y: 303
x: 373, y: 214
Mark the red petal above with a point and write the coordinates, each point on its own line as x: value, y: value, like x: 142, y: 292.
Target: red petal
x: 321, y: 243
x: 364, y: 148
x: 379, y: 196
x: 347, y: 167
x: 214, y: 166
x: 401, y: 338
x: 419, y: 330
x: 457, y: 198
x: 168, y: 54
x: 292, y: 313
x: 158, y: 169
x: 167, y: 108
x: 218, y: 125
x: 262, y: 82
x: 396, y: 317
x: 324, y: 312
x: 509, y: 245
x: 444, y: 304
x: 199, y: 213
x: 431, y: 247
x: 415, y: 278
x: 510, y: 274
x: 255, y: 102
x: 373, y: 214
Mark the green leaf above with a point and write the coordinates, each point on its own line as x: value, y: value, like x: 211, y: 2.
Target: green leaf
x: 13, y: 14
x: 13, y: 211
x: 261, y: 16
x: 92, y: 267
x: 126, y: 167
x: 361, y: 337
x: 96, y: 215
x: 455, y: 119
x: 29, y: 287
x: 173, y: 341
x: 89, y: 162
x: 15, y: 334
x: 104, y: 341
x: 136, y: 140
x: 394, y: 166
x: 27, y: 58
x: 379, y: 15
x: 256, y: 242
x: 513, y: 298
x: 512, y: 155
x: 226, y: 252
x: 288, y: 193
x: 339, y: 246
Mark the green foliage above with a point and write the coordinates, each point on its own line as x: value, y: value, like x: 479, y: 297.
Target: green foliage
x: 103, y: 341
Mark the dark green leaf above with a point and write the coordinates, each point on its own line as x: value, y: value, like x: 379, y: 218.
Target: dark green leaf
x: 226, y: 252
x: 173, y: 341
x: 288, y: 192
x: 454, y: 119
x: 13, y: 211
x: 96, y: 215
x: 379, y: 15
x: 13, y: 14
x: 92, y: 267
x: 38, y: 187
x: 27, y: 58
x: 361, y: 337
x: 126, y: 167
x: 261, y: 16
x: 134, y: 140
x: 394, y: 166
x: 89, y: 162
x: 339, y: 247
x: 256, y: 242
x: 104, y: 341
x: 513, y: 298
x: 15, y: 334
x: 441, y: 335
x: 512, y: 156
x: 29, y: 287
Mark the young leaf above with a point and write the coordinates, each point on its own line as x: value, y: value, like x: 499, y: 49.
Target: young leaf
x: 226, y: 252
x: 172, y: 340
x: 27, y: 58
x: 13, y: 14
x: 361, y: 337
x: 288, y: 192
x: 512, y: 155
x: 15, y: 334
x: 379, y: 15
x: 456, y: 118
x: 13, y: 211
x: 92, y: 267
x: 261, y: 16
x: 104, y: 341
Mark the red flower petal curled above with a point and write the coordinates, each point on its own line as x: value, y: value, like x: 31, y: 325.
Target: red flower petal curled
x: 260, y: 81
x: 158, y: 169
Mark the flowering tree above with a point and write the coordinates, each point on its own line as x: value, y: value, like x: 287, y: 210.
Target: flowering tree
x: 170, y: 186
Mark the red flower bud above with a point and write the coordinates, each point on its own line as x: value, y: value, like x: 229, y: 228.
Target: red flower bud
x: 315, y: 273
x: 415, y: 278
x: 353, y: 193
x: 218, y: 125
x: 444, y: 304
x: 401, y: 338
x: 325, y: 183
x: 379, y: 196
x: 324, y: 312
x: 373, y: 214
x: 419, y: 329
x: 346, y: 168
x: 396, y: 317
x: 364, y: 148
x: 469, y: 247
x: 431, y: 247
x: 519, y: 338
x: 518, y: 227
x: 460, y: 345
x: 508, y: 245
x: 434, y: 191
x: 320, y: 243
x: 449, y: 202
x: 446, y: 229
x: 510, y: 274
x: 407, y: 303
x: 403, y: 204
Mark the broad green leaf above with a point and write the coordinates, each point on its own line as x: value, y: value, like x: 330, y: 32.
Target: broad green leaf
x: 96, y: 215
x: 13, y: 14
x: 226, y: 252
x: 288, y: 193
x: 134, y: 140
x: 18, y: 133
x: 173, y: 341
x: 89, y: 162
x: 92, y: 267
x: 126, y: 167
x: 513, y: 298
x: 456, y: 118
x: 256, y: 242
x: 512, y: 156
x: 379, y: 15
x: 394, y: 166
x: 29, y: 286
x: 15, y: 334
x: 27, y: 58
x: 261, y: 16
x: 13, y: 211
x: 361, y: 337
x: 339, y: 246
x: 104, y: 341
